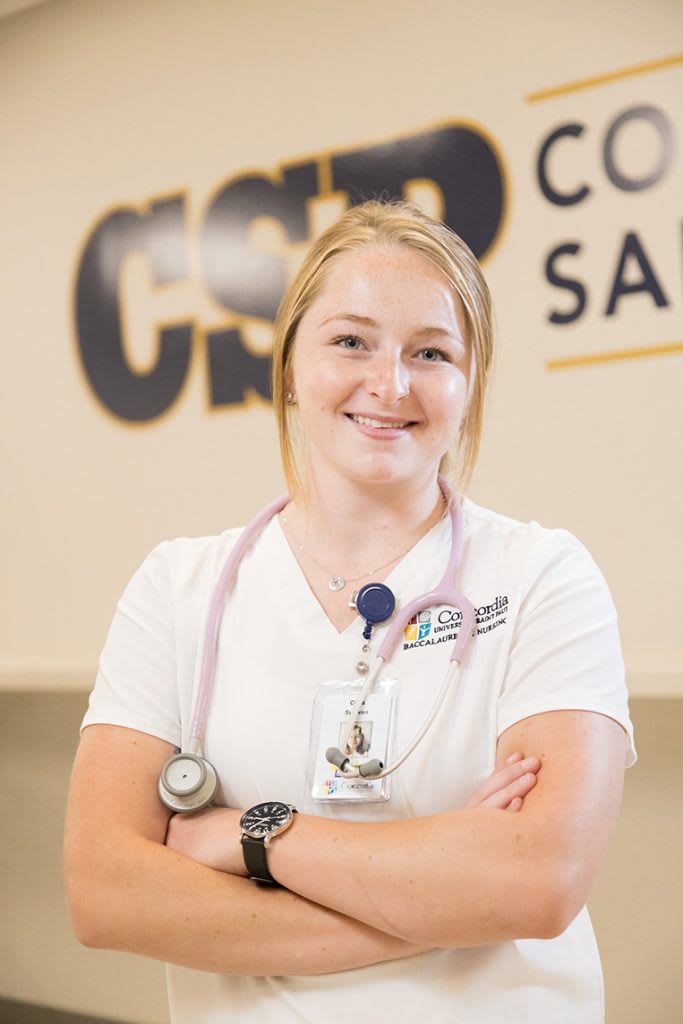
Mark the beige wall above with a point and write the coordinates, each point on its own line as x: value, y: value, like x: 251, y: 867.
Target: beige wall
x: 106, y: 105
x: 113, y: 105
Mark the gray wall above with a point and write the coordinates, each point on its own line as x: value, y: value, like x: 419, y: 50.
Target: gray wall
x: 636, y: 907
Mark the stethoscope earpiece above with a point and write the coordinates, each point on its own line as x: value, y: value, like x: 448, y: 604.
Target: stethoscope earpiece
x: 187, y: 783
x: 367, y: 770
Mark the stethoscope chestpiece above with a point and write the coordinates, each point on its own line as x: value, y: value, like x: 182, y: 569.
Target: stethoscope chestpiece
x: 187, y: 783
x: 375, y: 603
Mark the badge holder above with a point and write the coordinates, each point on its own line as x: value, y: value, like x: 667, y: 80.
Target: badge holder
x: 350, y: 745
x: 372, y: 738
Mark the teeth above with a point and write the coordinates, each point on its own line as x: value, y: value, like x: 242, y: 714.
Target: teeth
x: 367, y: 422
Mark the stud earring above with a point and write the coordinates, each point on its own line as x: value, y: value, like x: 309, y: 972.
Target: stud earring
x: 289, y: 398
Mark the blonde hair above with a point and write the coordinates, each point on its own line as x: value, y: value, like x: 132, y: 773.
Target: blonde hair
x: 379, y: 222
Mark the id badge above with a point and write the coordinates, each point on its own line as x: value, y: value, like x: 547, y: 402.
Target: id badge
x: 371, y: 737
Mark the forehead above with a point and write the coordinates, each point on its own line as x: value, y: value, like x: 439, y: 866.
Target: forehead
x: 389, y: 281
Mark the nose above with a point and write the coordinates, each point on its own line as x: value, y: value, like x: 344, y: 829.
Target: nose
x: 388, y: 377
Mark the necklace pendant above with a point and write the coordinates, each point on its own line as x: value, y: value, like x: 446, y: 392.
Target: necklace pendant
x: 336, y: 583
x: 361, y: 668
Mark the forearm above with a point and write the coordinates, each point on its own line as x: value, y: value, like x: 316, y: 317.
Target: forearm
x: 461, y: 878
x: 314, y: 850
x: 475, y: 876
x: 152, y: 901
x: 464, y: 878
x: 128, y: 891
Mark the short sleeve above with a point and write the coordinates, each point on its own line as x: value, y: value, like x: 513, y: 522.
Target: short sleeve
x: 565, y: 652
x: 136, y: 683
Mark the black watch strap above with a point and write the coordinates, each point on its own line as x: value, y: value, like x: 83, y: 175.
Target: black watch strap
x: 256, y: 861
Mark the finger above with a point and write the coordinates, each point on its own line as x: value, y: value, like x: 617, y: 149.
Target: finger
x: 515, y: 804
x: 513, y: 758
x: 518, y: 788
x: 503, y: 777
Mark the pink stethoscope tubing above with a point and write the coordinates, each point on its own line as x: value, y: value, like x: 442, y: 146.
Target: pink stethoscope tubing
x: 444, y: 593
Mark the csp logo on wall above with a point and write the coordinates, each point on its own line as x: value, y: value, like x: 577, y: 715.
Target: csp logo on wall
x: 454, y: 171
x: 600, y: 247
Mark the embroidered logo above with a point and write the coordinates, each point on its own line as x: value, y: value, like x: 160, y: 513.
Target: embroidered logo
x: 419, y: 627
x: 443, y: 624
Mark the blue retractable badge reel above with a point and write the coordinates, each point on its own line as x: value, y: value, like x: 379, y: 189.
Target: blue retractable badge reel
x: 376, y: 603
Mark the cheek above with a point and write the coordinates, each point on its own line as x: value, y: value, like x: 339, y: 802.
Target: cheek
x: 319, y: 396
x: 450, y: 404
x: 447, y: 414
x: 324, y: 385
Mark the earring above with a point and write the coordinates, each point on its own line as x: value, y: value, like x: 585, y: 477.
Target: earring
x: 289, y: 398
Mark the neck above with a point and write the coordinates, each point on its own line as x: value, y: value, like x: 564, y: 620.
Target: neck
x: 346, y: 524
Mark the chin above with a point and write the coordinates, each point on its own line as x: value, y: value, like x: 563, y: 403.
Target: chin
x: 381, y: 474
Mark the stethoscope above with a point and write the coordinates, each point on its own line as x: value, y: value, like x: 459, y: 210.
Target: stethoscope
x: 189, y: 782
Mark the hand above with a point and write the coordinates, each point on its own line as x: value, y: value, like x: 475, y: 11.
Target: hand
x: 506, y: 787
x: 210, y: 837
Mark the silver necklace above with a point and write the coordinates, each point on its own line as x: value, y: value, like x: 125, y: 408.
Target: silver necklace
x: 336, y: 581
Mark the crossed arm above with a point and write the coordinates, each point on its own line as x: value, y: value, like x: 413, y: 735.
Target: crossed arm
x: 465, y: 877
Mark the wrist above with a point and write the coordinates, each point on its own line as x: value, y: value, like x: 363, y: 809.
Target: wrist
x: 210, y: 837
x: 235, y: 856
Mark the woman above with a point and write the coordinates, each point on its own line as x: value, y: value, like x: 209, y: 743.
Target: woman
x: 356, y: 743
x: 436, y: 903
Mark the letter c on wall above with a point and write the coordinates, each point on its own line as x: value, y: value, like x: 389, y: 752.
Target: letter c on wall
x: 160, y: 234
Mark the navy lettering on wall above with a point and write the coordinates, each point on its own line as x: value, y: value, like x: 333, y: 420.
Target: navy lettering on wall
x: 459, y: 160
x: 633, y: 272
x: 243, y: 279
x: 552, y: 194
x: 233, y: 369
x: 660, y: 122
x: 633, y: 250
x: 160, y: 235
x: 568, y: 283
x: 246, y: 281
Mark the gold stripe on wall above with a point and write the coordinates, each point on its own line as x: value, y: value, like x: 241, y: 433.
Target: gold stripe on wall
x: 611, y: 357
x: 324, y: 174
x: 609, y: 76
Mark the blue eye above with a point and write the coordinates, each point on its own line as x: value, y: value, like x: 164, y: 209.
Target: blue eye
x: 351, y: 342
x: 432, y: 355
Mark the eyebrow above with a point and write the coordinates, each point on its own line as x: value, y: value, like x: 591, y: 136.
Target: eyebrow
x: 366, y: 321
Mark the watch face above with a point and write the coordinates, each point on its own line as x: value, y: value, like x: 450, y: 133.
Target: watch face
x: 266, y: 819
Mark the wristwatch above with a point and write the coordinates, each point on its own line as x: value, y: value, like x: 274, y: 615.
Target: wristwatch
x: 259, y: 825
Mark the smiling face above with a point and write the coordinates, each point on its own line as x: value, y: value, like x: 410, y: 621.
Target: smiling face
x: 380, y: 370
x: 355, y: 741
